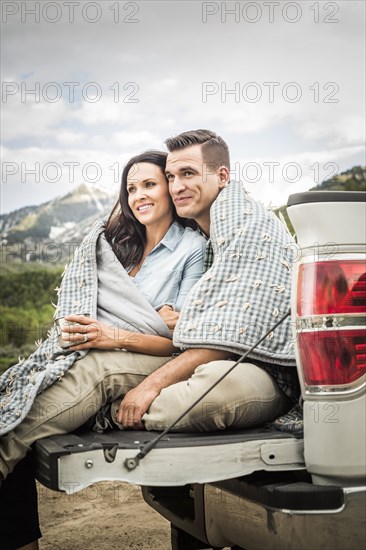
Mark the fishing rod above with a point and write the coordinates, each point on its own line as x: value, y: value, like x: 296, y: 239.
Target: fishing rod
x: 133, y: 462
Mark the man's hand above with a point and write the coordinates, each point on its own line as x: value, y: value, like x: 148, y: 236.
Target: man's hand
x: 169, y: 316
x: 134, y: 405
x: 138, y: 400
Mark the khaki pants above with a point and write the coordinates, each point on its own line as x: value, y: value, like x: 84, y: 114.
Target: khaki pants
x: 247, y: 397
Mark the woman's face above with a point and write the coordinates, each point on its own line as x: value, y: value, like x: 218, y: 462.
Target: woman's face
x: 148, y: 194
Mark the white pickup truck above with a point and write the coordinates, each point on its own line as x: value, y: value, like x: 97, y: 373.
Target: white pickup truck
x: 263, y: 488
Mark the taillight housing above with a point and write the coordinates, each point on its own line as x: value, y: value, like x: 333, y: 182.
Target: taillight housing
x: 331, y: 287
x: 331, y: 308
x: 335, y: 357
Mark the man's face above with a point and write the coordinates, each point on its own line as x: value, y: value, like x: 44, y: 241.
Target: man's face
x: 193, y: 185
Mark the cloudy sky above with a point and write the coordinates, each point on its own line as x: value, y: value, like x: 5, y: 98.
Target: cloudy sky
x: 85, y: 85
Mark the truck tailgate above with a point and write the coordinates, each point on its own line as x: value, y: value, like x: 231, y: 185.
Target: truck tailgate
x: 71, y: 462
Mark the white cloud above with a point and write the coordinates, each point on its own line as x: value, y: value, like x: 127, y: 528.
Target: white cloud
x: 273, y: 179
x: 346, y: 130
x: 169, y: 54
x: 139, y: 139
x: 25, y: 119
x: 68, y: 137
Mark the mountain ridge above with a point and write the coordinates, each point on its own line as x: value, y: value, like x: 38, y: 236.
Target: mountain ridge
x: 353, y: 179
x: 65, y: 220
x: 50, y: 219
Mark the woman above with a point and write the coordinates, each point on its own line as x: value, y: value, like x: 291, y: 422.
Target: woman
x: 145, y: 244
x: 163, y: 257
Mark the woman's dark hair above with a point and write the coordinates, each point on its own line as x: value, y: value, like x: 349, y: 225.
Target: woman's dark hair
x: 123, y: 231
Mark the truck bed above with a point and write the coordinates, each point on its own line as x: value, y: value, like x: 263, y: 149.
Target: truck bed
x: 71, y: 462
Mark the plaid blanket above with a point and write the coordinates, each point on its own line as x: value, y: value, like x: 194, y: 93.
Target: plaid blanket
x: 248, y: 286
x: 20, y: 384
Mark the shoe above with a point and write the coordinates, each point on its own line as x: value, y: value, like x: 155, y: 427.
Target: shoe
x: 291, y: 422
x: 114, y: 410
x: 105, y: 419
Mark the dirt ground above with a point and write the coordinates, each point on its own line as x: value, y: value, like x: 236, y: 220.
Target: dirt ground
x: 108, y: 515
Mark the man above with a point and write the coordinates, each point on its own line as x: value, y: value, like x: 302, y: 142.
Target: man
x: 197, y: 169
x: 156, y: 391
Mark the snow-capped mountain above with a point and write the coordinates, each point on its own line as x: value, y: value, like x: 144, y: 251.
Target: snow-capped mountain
x: 68, y: 216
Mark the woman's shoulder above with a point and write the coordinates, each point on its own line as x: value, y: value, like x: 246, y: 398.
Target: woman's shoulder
x: 186, y: 240
x: 193, y: 243
x: 193, y: 236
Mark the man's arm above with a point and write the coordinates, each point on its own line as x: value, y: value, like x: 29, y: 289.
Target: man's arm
x: 137, y: 401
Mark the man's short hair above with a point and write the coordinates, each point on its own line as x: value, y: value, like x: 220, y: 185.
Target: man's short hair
x: 215, y: 151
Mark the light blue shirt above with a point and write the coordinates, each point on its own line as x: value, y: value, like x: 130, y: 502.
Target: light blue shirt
x: 172, y: 267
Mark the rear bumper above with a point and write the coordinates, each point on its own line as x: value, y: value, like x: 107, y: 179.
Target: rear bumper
x: 234, y: 520
x: 249, y: 512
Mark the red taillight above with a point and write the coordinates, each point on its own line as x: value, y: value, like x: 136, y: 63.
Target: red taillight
x: 334, y: 357
x: 331, y: 307
x: 331, y: 287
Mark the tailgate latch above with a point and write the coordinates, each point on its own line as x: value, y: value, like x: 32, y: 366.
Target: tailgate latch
x: 110, y: 452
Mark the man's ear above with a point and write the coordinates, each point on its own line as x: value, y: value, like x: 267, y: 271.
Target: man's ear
x: 223, y: 175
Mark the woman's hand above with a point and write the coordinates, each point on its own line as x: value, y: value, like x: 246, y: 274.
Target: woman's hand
x: 90, y: 333
x: 169, y: 316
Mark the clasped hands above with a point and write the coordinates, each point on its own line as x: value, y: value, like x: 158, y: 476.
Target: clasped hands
x: 169, y: 316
